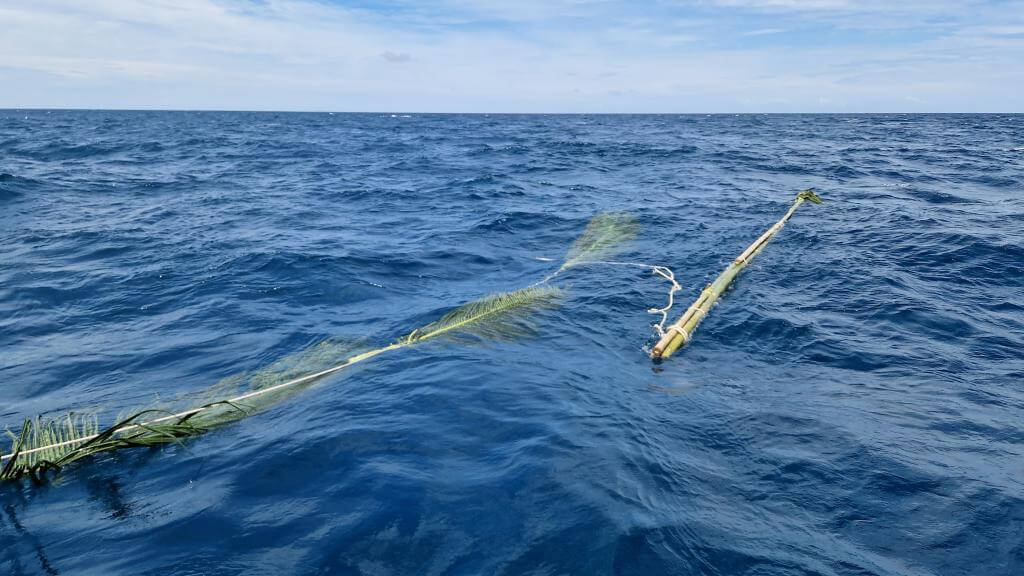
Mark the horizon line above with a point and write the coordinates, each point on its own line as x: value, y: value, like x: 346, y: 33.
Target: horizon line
x: 499, y: 113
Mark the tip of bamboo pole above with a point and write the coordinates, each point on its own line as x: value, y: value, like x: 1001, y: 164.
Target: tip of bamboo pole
x: 666, y: 346
x: 810, y: 195
x: 676, y: 338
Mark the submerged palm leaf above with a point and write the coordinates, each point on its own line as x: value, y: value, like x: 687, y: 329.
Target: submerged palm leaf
x: 44, y: 445
x: 601, y: 238
x: 314, y: 359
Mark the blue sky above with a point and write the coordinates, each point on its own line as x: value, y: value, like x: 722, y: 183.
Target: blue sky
x: 523, y: 56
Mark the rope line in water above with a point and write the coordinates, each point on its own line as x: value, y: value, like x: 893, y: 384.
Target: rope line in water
x: 235, y: 400
x: 662, y: 271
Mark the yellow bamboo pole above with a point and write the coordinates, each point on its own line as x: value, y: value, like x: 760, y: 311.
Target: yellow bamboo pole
x: 679, y: 334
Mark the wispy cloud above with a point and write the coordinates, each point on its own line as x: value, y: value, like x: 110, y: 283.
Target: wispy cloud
x: 531, y: 55
x: 763, y: 32
x: 396, y: 57
x: 787, y: 4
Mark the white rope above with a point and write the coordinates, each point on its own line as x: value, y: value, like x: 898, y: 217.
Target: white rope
x: 236, y: 400
x: 663, y: 271
x: 667, y: 274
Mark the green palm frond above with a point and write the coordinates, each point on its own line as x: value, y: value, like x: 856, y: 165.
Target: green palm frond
x: 52, y: 444
x: 491, y: 317
x: 810, y: 195
x: 312, y: 359
x: 49, y: 440
x: 45, y: 445
x: 602, y: 236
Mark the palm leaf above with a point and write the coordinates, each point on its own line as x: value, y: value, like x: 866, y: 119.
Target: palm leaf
x: 43, y: 441
x: 601, y: 238
x: 493, y: 317
x: 44, y: 445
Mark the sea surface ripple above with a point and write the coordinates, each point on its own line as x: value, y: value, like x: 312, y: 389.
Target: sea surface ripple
x: 854, y: 405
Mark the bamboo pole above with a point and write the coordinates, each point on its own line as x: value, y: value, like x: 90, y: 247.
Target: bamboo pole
x: 679, y: 334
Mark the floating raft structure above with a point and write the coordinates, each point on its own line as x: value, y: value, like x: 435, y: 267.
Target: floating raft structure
x: 681, y: 332
x: 45, y: 445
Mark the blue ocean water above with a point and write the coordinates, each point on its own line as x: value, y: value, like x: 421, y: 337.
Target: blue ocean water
x: 854, y: 405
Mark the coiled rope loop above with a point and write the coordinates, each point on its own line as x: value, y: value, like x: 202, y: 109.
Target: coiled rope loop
x: 663, y: 271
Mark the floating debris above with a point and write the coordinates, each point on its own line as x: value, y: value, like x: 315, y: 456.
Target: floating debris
x: 49, y: 445
x: 680, y: 333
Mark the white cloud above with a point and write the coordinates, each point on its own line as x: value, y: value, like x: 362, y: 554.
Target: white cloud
x: 788, y: 4
x: 396, y: 57
x: 764, y: 32
x: 1005, y: 30
x: 481, y: 56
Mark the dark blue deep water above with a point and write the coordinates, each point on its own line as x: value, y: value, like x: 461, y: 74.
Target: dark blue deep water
x: 854, y: 405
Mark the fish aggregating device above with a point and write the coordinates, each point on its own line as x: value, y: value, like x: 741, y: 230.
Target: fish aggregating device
x: 681, y: 332
x: 43, y: 446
